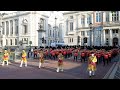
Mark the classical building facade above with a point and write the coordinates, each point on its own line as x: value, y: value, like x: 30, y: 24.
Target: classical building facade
x: 92, y: 28
x: 22, y: 26
x: 55, y: 30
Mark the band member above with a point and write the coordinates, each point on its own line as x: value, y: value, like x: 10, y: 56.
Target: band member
x: 5, y: 57
x: 76, y: 55
x: 92, y: 64
x: 60, y: 62
x: 106, y: 58
x: 82, y: 56
x: 41, y: 59
x: 23, y: 59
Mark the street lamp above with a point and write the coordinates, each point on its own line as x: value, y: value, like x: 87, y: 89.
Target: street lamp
x: 91, y: 27
x: 55, y: 30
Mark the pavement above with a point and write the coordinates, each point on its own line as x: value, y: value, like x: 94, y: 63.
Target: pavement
x: 72, y: 70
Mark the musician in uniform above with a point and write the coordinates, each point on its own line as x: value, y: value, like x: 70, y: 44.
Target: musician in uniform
x: 92, y: 64
x: 5, y: 57
x: 23, y: 59
x: 60, y: 62
x: 41, y: 59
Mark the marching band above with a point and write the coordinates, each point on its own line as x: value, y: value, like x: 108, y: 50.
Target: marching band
x: 92, y: 57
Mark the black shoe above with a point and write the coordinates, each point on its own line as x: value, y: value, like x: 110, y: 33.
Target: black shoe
x: 90, y: 76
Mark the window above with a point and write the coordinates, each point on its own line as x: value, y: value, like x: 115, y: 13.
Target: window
x: 98, y: 17
x: 10, y: 41
x: 89, y: 19
x: 3, y: 28
x: 50, y: 32
x: 71, y: 26
x: 15, y: 41
x: 25, y: 39
x: 11, y: 27
x: 107, y: 16
x: 116, y: 30
x: 7, y: 27
x: 82, y: 33
x: 83, y: 20
x: 53, y: 33
x: 6, y: 42
x: 25, y: 29
x: 72, y: 39
x: 88, y: 33
x: 58, y: 33
x: 113, y: 31
x: 16, y: 26
x: 71, y: 17
x: 106, y: 31
x: 115, y: 16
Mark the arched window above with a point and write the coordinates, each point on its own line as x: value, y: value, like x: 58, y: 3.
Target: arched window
x: 25, y: 26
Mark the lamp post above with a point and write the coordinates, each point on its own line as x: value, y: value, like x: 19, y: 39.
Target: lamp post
x: 55, y: 30
x: 91, y: 26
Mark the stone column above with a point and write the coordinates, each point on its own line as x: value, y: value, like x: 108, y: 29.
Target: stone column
x: 110, y: 37
x: 104, y: 16
x: 86, y: 25
x: 104, y: 41
x: 110, y: 16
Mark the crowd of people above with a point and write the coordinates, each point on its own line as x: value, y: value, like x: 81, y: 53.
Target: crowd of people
x: 92, y: 55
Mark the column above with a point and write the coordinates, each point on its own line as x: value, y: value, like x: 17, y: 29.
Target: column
x: 110, y: 37
x: 66, y: 26
x: 13, y: 27
x: 5, y: 29
x: 9, y: 30
x: 104, y: 16
x: 77, y: 21
x: 119, y: 15
x: 92, y: 18
x: 104, y: 41
x: 86, y: 25
x: 110, y: 16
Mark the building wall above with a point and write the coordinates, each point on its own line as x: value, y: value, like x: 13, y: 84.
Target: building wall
x: 78, y: 28
x: 31, y: 19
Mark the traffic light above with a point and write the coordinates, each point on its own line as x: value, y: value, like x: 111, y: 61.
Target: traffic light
x: 85, y: 40
x: 43, y: 40
x: 78, y: 39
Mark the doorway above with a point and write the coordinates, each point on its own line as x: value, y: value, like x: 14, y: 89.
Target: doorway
x: 115, y: 41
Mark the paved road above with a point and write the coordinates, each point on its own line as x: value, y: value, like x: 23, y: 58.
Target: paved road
x: 72, y: 70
